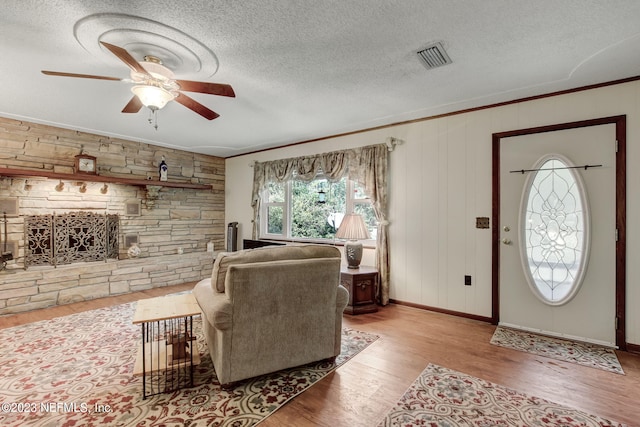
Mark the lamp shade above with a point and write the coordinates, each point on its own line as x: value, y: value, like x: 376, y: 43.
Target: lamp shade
x: 353, y: 228
x: 153, y: 97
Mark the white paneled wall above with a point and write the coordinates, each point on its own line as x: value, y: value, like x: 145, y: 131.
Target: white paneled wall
x: 440, y: 181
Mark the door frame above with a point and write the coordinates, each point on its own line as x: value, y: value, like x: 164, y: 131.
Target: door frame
x: 621, y: 215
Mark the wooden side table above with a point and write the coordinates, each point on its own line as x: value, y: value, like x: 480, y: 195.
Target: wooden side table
x: 168, y: 350
x: 361, y: 284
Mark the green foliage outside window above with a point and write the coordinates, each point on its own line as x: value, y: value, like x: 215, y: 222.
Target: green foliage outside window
x: 310, y: 219
x: 274, y: 224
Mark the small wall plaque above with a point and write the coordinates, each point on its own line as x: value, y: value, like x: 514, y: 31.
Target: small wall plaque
x: 130, y: 239
x: 132, y: 208
x: 482, y: 222
x: 9, y: 206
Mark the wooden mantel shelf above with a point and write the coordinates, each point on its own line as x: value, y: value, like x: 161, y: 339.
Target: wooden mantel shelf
x: 7, y: 172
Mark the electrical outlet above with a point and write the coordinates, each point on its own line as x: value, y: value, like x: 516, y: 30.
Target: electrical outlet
x: 467, y: 280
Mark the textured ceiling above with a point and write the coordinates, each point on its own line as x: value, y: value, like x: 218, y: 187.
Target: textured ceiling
x: 302, y: 69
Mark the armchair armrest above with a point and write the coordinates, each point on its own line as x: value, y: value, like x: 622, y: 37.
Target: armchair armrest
x: 342, y: 298
x: 215, y: 306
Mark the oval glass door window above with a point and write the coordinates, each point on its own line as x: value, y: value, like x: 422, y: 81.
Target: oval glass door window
x: 554, y: 227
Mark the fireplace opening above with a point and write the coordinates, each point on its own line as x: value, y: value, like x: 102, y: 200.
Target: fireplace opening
x: 70, y: 237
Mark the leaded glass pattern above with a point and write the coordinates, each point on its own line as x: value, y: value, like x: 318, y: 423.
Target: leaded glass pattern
x: 555, y: 231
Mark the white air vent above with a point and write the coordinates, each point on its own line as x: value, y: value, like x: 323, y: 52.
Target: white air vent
x: 433, y: 56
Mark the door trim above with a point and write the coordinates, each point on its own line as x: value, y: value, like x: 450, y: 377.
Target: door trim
x: 621, y: 215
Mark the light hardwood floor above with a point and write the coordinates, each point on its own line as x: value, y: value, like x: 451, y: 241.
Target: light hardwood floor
x: 360, y: 392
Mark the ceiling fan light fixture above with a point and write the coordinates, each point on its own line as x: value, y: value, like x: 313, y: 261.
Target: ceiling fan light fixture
x: 154, y: 85
x: 152, y: 97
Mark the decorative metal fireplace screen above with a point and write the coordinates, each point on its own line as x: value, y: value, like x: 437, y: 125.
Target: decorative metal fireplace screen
x: 71, y: 237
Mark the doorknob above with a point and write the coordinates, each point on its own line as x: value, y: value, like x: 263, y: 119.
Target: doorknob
x: 506, y: 241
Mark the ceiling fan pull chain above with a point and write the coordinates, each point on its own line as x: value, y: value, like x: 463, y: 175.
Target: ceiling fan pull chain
x: 153, y: 118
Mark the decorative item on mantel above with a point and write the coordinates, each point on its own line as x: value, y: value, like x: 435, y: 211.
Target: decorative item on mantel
x: 86, y: 164
x: 163, y: 170
x: 353, y: 229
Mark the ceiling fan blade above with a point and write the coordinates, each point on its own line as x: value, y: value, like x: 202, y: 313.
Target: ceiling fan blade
x: 133, y: 106
x: 194, y: 105
x: 125, y: 57
x: 83, y: 76
x: 204, y: 87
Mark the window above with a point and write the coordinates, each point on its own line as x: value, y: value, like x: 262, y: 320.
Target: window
x: 555, y: 231
x: 275, y: 212
x: 291, y: 210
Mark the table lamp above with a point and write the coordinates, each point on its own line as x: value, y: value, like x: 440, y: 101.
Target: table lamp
x: 353, y: 229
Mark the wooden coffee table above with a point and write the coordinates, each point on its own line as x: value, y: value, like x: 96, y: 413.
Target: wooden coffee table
x: 168, y: 350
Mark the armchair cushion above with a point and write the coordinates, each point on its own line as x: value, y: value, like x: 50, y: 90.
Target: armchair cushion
x: 265, y: 254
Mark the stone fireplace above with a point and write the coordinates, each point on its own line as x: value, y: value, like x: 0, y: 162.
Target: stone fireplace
x: 171, y: 224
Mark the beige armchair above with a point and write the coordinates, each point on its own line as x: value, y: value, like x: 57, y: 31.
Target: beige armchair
x: 272, y: 308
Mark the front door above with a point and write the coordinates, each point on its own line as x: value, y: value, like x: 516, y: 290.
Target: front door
x: 557, y: 238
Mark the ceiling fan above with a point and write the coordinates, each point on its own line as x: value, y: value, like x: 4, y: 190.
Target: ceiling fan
x: 154, y: 85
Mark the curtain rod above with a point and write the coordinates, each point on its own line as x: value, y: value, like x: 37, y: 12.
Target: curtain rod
x: 585, y: 167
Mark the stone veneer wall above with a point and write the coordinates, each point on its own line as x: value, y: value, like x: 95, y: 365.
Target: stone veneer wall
x: 180, y: 218
x: 40, y: 287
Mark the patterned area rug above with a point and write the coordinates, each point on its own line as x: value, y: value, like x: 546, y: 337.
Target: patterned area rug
x: 77, y: 371
x: 585, y: 354
x: 443, y: 397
